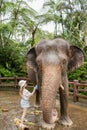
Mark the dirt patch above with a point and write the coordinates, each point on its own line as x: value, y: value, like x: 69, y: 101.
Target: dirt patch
x: 10, y: 101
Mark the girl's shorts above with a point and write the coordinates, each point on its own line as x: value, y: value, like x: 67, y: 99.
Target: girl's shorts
x: 24, y: 103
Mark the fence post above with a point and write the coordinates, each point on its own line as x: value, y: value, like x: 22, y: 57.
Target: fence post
x: 75, y: 91
x: 15, y: 82
x: 0, y: 80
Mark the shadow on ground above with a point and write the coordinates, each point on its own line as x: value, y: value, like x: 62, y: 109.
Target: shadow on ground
x: 10, y: 108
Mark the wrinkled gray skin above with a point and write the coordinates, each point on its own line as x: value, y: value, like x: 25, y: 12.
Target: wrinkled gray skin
x: 47, y: 66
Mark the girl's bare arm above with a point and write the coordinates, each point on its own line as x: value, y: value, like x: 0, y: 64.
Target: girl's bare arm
x: 33, y: 91
x: 20, y: 93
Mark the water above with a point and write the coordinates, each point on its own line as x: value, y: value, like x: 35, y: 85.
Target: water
x: 10, y: 108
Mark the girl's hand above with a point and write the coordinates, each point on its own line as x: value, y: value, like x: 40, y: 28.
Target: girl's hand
x: 36, y: 87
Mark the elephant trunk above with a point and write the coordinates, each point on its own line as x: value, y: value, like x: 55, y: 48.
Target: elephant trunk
x: 50, y: 84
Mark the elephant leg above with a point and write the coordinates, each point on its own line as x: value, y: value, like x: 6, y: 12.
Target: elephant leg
x: 64, y: 118
x: 37, y: 98
x: 38, y: 91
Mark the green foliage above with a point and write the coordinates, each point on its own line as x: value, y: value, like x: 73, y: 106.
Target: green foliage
x: 16, y: 25
x: 5, y: 72
x: 85, y: 50
x: 42, y: 35
x: 79, y: 74
x: 69, y: 19
x: 20, y: 29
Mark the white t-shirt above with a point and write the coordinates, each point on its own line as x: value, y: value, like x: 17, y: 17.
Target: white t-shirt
x: 26, y: 94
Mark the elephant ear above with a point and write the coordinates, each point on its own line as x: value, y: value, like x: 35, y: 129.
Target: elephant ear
x: 31, y: 65
x: 76, y: 59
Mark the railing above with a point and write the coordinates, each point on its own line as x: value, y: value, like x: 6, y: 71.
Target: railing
x: 11, y: 81
x: 75, y: 87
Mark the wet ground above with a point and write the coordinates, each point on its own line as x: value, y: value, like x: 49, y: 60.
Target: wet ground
x: 10, y: 108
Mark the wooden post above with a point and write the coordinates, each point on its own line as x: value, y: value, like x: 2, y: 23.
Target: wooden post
x: 15, y: 82
x: 75, y: 91
x: 0, y: 80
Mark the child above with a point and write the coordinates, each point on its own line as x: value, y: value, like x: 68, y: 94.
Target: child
x: 25, y: 95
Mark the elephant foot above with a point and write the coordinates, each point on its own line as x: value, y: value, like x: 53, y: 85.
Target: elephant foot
x: 65, y: 121
x: 47, y: 126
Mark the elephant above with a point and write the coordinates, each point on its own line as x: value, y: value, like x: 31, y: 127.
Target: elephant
x: 47, y: 66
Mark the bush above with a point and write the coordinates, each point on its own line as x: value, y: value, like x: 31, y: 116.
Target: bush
x: 79, y: 74
x: 5, y: 72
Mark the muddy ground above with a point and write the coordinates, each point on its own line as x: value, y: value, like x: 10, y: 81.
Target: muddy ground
x: 10, y: 108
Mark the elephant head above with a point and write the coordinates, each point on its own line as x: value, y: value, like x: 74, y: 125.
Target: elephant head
x: 47, y: 65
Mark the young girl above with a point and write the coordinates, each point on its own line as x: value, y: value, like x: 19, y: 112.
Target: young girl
x: 25, y: 95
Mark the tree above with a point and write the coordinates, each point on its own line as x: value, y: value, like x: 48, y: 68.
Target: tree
x: 54, y: 14
x: 75, y: 22
x: 19, y: 30
x: 16, y: 21
x: 69, y: 16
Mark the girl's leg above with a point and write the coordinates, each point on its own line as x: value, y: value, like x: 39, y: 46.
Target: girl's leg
x: 23, y: 115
